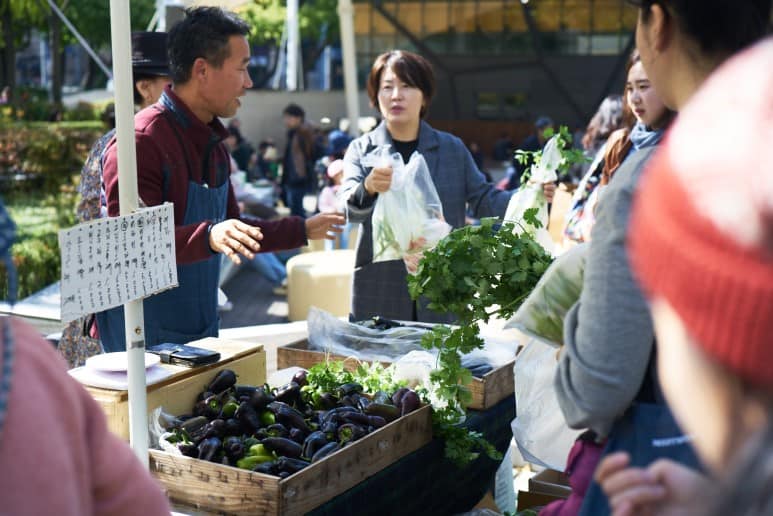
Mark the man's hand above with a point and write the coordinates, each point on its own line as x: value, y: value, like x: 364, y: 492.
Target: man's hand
x: 379, y: 180
x: 233, y: 237
x: 324, y: 225
x: 549, y: 189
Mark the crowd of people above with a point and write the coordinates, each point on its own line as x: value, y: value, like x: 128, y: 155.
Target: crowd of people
x: 673, y: 207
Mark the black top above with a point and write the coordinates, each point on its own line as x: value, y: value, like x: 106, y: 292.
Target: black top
x: 405, y: 148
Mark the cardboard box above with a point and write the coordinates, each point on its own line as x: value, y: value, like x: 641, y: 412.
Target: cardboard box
x: 229, y: 490
x: 486, y: 391
x: 177, y: 393
x: 550, y: 482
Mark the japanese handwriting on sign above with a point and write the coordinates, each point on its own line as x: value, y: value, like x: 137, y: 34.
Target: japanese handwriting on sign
x: 110, y: 261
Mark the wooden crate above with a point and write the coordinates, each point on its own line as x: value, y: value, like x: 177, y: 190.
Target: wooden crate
x: 486, y: 391
x: 229, y: 490
x: 177, y: 393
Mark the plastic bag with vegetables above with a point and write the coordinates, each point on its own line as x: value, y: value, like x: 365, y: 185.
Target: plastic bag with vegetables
x: 530, y: 195
x: 407, y: 219
x: 542, y: 314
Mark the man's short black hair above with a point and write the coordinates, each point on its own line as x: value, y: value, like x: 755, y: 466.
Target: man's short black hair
x: 294, y: 110
x: 204, y: 32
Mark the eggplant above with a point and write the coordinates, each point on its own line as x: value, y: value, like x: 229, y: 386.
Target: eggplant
x: 288, y: 393
x: 388, y: 412
x: 283, y: 446
x: 325, y: 451
x: 398, y: 396
x: 357, y: 418
x: 260, y: 398
x: 233, y: 448
x: 204, y: 395
x: 301, y: 377
x: 288, y: 416
x: 297, y: 435
x: 277, y: 430
x: 348, y: 389
x: 233, y: 427
x: 283, y: 474
x: 213, y: 406
x: 189, y: 450
x: 223, y: 380
x: 247, y: 416
x: 291, y: 466
x: 196, y: 428
x: 376, y: 421
x: 244, y: 391
x: 208, y: 448
x: 334, y: 414
x: 314, y: 442
x: 409, y: 403
x: 327, y: 401
x: 330, y: 428
x: 267, y: 468
x: 215, y: 428
x: 348, y: 433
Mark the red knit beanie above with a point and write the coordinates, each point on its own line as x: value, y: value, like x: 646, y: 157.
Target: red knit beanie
x: 701, y: 235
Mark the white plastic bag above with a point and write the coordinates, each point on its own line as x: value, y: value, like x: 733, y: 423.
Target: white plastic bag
x: 539, y: 428
x: 542, y: 313
x: 530, y: 195
x: 408, y: 218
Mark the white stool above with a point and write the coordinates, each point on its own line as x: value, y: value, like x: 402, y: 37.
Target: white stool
x: 322, y: 279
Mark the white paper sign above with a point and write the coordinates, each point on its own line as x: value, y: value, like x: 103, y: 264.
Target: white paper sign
x: 110, y: 261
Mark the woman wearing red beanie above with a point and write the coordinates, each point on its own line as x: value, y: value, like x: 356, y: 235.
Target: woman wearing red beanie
x: 702, y: 246
x: 609, y: 337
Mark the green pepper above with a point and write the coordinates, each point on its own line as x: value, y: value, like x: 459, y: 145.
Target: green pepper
x: 229, y: 409
x: 267, y: 418
x: 250, y: 461
x: 258, y: 449
x: 250, y: 441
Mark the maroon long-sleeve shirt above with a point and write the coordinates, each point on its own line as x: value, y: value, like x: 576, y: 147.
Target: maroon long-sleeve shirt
x: 162, y: 176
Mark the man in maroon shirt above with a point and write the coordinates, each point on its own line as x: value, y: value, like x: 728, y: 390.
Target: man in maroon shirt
x: 181, y: 159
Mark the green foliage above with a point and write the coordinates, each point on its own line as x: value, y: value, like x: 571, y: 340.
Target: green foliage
x: 36, y: 251
x: 49, y: 156
x: 327, y: 376
x: 92, y: 19
x: 476, y: 272
x: 570, y: 154
x: 317, y: 21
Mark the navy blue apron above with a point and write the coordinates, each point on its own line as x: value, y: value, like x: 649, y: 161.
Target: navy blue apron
x: 188, y: 312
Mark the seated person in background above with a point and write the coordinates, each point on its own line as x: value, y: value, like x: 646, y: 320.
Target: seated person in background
x: 711, y: 298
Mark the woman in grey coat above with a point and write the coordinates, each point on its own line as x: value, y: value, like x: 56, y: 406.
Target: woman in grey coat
x: 401, y: 84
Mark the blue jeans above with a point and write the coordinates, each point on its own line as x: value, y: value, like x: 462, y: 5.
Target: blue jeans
x: 342, y: 240
x: 294, y: 195
x: 270, y: 267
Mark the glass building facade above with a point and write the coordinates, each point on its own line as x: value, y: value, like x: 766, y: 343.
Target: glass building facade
x: 524, y: 43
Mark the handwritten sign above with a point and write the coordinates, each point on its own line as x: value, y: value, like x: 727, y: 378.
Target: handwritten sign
x: 110, y: 261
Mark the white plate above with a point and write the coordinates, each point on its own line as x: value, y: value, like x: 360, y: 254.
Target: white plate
x: 117, y: 361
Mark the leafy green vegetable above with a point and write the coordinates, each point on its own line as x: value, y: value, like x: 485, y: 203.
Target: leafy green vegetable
x: 327, y: 376
x: 570, y: 154
x: 476, y: 272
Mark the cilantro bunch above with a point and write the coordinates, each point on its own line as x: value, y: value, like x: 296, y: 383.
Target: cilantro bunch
x: 476, y: 272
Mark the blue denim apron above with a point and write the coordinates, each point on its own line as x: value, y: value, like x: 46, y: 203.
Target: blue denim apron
x: 188, y: 312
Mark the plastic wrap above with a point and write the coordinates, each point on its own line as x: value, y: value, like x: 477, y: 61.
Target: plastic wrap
x: 408, y: 218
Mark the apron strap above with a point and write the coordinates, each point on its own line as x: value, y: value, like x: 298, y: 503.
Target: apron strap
x: 178, y: 136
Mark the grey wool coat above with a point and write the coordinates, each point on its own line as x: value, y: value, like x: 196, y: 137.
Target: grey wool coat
x: 382, y: 288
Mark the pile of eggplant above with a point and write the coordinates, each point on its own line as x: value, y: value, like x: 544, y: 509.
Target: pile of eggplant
x: 281, y: 431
